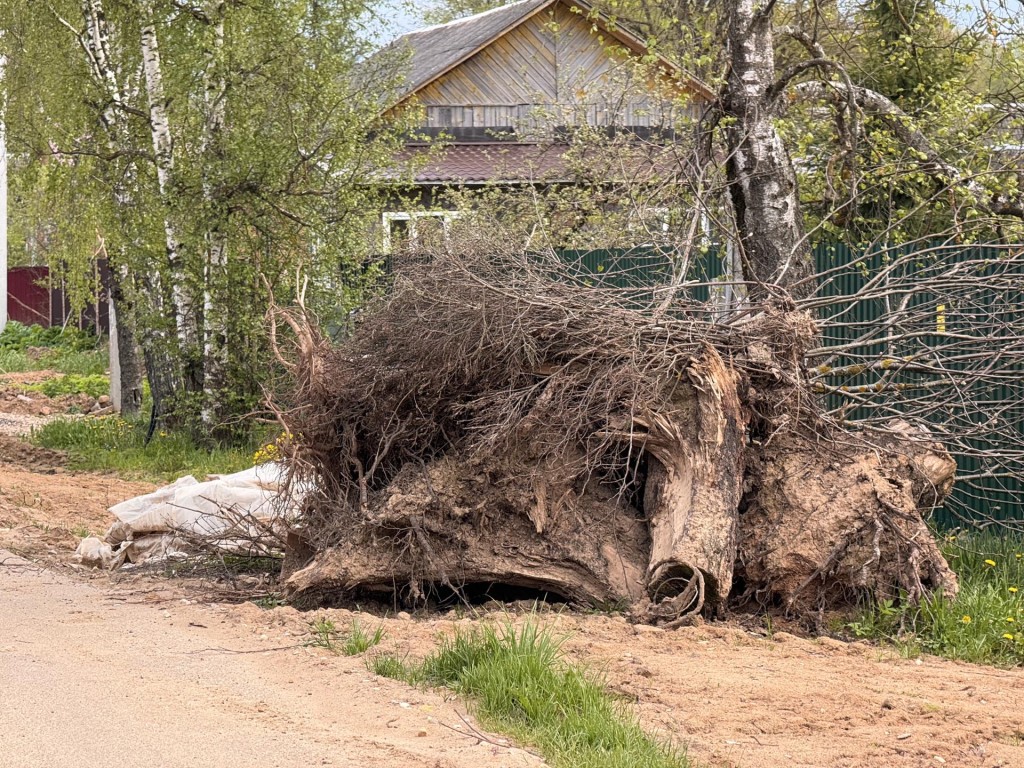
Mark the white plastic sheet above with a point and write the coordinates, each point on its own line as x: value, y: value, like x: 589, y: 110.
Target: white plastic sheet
x: 228, y: 512
x: 198, y: 507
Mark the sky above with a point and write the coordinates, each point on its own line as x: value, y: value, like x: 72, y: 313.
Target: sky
x: 398, y: 17
x: 401, y: 16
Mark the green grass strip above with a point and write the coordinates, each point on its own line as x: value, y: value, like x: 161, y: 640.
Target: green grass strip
x: 94, y: 385
x: 67, y: 361
x: 983, y: 625
x: 520, y: 684
x: 112, y: 444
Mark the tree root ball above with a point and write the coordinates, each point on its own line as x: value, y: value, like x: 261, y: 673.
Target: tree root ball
x: 492, y: 425
x: 825, y: 524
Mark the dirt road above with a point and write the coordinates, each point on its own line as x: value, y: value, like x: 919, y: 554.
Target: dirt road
x: 95, y: 672
x: 87, y: 680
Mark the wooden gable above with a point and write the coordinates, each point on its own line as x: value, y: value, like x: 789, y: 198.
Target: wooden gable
x: 555, y: 61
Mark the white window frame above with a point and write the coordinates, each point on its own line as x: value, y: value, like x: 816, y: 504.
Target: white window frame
x: 389, y: 217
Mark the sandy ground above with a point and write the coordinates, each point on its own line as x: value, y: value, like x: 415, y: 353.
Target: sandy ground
x: 137, y: 678
x: 742, y: 701
x: 87, y: 679
x: 45, y: 510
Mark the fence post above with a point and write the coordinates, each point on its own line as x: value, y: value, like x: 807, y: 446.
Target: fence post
x: 3, y: 211
x: 115, y: 358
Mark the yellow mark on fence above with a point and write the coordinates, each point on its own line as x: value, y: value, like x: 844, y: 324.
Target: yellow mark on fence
x: 940, y: 319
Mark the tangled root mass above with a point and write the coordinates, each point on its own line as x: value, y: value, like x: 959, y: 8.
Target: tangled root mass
x: 497, y: 420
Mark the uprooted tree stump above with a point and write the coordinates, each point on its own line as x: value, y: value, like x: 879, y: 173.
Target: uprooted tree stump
x: 493, y: 425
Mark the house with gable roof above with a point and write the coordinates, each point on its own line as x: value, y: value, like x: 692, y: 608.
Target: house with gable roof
x: 498, y: 93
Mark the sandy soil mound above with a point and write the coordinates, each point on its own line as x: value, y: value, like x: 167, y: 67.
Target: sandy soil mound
x: 44, y: 511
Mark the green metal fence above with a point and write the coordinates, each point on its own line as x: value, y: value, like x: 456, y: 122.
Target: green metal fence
x: 938, y: 314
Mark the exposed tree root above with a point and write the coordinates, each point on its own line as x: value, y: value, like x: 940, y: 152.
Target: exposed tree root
x: 490, y: 424
x: 826, y: 521
x: 436, y: 529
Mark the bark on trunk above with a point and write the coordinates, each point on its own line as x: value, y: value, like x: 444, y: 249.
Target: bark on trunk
x: 96, y: 38
x: 184, y: 314
x: 762, y: 182
x: 129, y: 364
x: 215, y: 357
x: 694, y: 485
x: 3, y: 198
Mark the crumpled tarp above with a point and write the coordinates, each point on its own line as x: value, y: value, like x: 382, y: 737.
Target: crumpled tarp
x: 243, y: 513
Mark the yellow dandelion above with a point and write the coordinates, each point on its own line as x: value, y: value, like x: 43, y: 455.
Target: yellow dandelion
x: 1013, y: 590
x: 966, y: 619
x: 990, y: 563
x: 1008, y: 636
x: 1010, y: 618
x: 1019, y: 555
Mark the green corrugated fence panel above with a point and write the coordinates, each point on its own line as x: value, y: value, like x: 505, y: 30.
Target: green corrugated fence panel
x: 844, y: 272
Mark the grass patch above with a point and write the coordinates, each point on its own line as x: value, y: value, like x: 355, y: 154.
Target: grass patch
x: 94, y: 385
x: 353, y: 642
x: 984, y: 624
x: 66, y: 350
x: 68, y: 361
x: 113, y: 444
x: 521, y: 684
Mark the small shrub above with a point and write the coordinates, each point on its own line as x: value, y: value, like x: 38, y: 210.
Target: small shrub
x: 18, y: 337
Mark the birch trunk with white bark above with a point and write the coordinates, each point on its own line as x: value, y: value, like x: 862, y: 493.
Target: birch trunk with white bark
x: 96, y: 41
x: 3, y: 203
x: 215, y: 268
x: 183, y: 309
x: 762, y: 181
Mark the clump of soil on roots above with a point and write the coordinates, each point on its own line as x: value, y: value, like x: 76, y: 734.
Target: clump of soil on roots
x: 494, y: 422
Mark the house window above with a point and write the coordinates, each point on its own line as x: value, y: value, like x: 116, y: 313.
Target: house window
x: 405, y: 229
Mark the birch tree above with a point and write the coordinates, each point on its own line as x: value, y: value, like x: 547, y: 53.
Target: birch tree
x: 237, y: 150
x: 3, y: 200
x: 755, y: 100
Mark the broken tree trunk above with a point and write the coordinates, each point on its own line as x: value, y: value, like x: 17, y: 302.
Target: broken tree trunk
x: 694, y: 484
